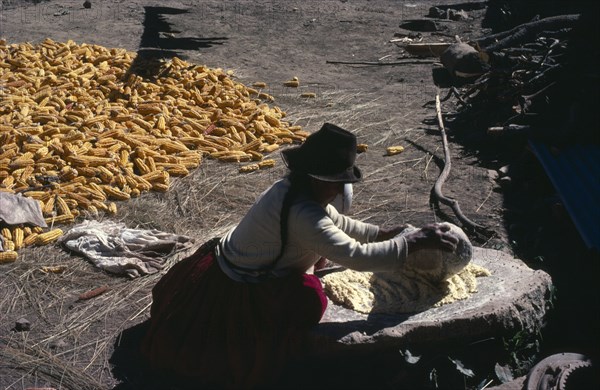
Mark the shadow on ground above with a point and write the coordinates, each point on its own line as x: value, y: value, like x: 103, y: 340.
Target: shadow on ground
x: 160, y: 41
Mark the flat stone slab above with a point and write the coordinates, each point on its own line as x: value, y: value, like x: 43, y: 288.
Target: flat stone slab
x: 514, y: 297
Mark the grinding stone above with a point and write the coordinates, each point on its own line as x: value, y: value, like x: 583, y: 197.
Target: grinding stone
x: 514, y: 297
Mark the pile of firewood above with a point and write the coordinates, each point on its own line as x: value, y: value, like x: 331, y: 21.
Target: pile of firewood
x: 541, y: 82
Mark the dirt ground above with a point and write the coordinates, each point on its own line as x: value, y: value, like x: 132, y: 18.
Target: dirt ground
x: 71, y: 343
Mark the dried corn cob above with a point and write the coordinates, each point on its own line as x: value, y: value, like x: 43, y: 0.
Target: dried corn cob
x: 112, y: 208
x: 392, y: 150
x: 8, y: 256
x: 294, y: 82
x: 30, y: 239
x: 114, y: 193
x: 65, y: 218
x: 6, y: 233
x: 18, y: 236
x: 266, y: 163
x: 249, y: 168
x: 50, y: 236
x: 9, y: 245
x: 361, y: 148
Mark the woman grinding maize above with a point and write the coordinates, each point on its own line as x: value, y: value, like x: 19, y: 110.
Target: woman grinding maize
x: 225, y: 313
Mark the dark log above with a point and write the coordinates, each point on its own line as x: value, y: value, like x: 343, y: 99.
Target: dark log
x: 525, y: 32
x: 508, y: 130
x: 526, y: 101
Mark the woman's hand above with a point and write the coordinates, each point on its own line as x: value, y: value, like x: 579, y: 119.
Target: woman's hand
x: 432, y: 236
x: 387, y: 233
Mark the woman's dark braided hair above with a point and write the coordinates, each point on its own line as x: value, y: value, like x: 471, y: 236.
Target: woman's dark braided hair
x: 298, y: 182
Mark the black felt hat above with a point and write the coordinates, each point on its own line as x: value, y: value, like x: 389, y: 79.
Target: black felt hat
x: 327, y: 155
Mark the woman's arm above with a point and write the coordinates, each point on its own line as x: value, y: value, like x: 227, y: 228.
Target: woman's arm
x: 387, y: 233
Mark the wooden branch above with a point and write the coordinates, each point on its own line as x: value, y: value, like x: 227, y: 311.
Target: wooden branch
x: 548, y: 71
x: 409, y: 62
x: 437, y: 188
x: 525, y: 32
x: 451, y: 92
x: 509, y: 130
x: 525, y: 101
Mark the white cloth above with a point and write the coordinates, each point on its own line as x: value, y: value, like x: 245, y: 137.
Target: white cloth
x: 117, y: 249
x: 16, y: 209
x: 313, y: 232
x: 343, y: 201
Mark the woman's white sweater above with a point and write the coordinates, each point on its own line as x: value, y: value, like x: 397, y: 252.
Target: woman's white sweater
x: 313, y: 232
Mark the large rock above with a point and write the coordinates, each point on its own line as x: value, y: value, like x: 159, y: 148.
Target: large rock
x: 437, y: 265
x: 514, y: 297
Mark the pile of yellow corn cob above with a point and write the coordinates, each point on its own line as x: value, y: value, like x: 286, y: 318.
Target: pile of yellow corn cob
x: 79, y: 128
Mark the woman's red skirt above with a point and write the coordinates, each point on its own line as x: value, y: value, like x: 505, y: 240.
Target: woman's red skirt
x: 205, y: 325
